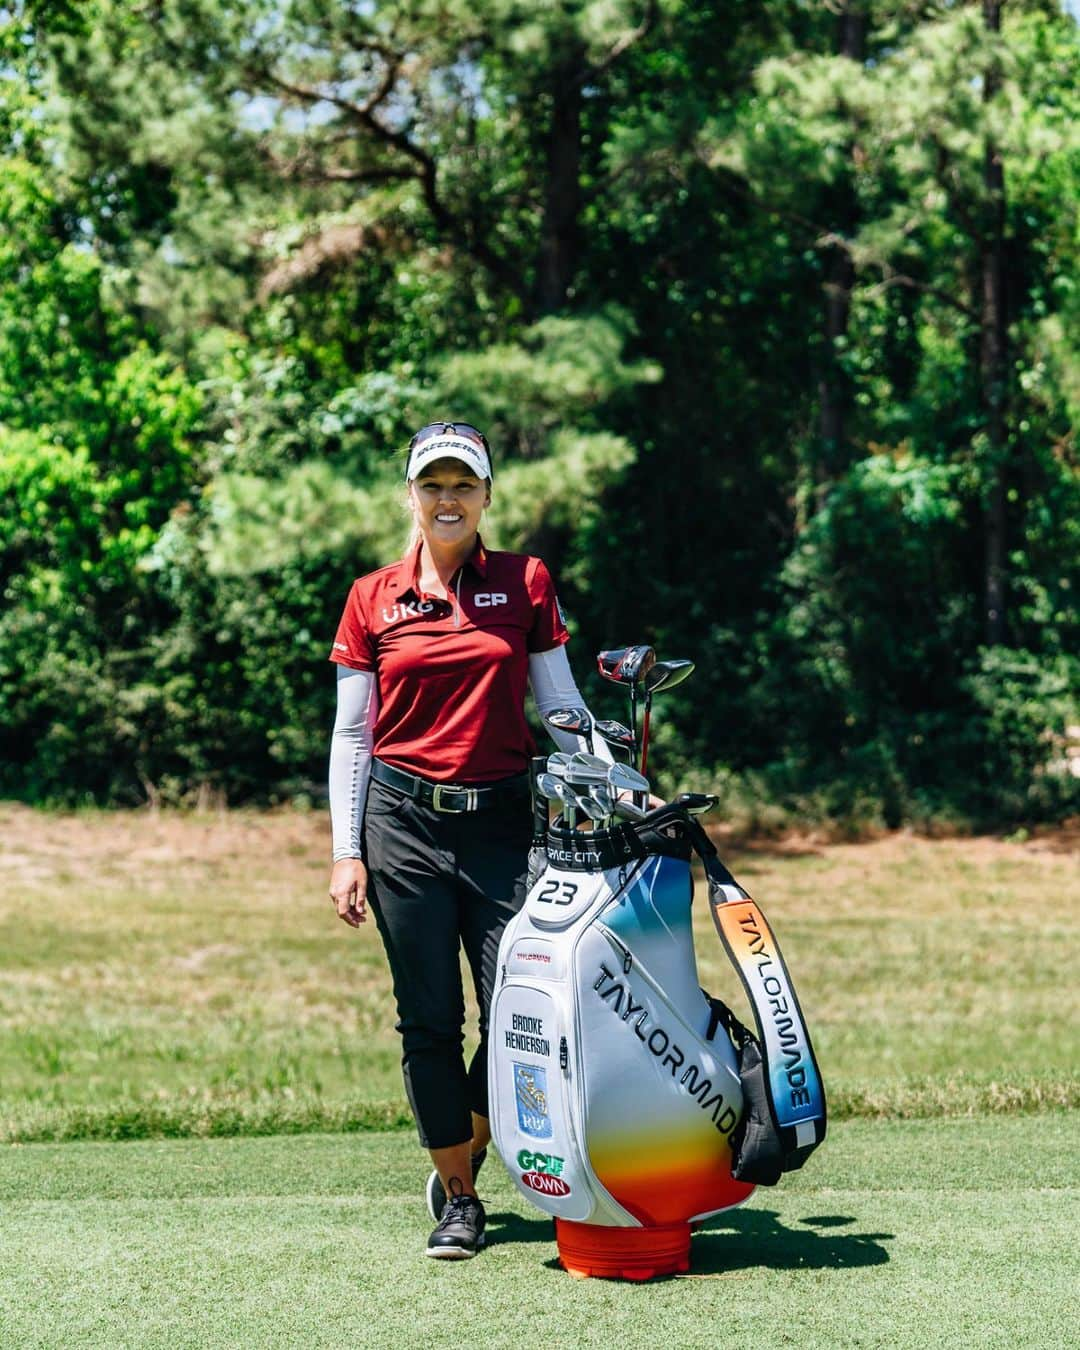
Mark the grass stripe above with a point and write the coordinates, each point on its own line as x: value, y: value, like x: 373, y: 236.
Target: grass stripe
x: 211, y: 1117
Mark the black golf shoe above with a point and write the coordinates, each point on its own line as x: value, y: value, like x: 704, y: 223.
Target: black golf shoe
x: 436, y: 1194
x: 459, y: 1234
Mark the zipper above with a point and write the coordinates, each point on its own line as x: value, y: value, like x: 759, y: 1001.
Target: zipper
x: 457, y: 592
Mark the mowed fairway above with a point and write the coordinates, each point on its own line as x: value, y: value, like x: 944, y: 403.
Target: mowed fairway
x: 915, y: 1233
x: 185, y: 974
x: 167, y: 978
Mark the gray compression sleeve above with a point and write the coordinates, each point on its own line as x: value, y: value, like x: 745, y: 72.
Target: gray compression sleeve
x: 553, y: 686
x: 350, y: 757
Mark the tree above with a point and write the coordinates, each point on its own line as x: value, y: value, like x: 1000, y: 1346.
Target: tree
x: 93, y: 457
x: 942, y: 117
x: 715, y: 278
x: 390, y: 125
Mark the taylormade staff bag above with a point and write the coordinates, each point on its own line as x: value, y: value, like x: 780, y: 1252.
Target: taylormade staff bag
x: 624, y: 1100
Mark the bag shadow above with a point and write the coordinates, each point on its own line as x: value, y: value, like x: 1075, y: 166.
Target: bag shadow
x: 507, y: 1227
x: 744, y: 1239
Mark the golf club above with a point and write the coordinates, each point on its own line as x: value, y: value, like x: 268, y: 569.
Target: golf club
x: 568, y: 797
x: 662, y: 675
x: 589, y: 804
x: 557, y: 791
x: 557, y: 762
x: 617, y: 735
x: 587, y: 769
x: 581, y: 803
x: 601, y: 794
x: 590, y: 771
x: 624, y: 778
x: 627, y: 666
x: 575, y: 720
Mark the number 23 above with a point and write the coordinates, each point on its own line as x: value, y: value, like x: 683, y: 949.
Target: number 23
x: 552, y: 888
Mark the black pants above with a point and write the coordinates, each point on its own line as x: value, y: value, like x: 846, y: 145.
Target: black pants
x: 437, y: 882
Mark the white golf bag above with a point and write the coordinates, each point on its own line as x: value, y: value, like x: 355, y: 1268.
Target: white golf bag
x: 616, y: 1085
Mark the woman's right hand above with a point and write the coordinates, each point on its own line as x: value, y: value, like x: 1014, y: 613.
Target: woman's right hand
x: 348, y: 890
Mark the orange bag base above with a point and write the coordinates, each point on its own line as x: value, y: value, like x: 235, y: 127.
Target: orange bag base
x: 587, y: 1249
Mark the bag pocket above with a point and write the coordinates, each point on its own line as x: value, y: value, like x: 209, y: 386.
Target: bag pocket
x: 529, y: 1099
x: 757, y: 1154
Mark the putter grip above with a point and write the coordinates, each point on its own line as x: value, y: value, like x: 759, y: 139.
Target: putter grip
x: 537, y: 765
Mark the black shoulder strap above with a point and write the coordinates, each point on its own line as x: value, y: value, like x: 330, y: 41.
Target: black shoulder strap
x: 796, y: 1092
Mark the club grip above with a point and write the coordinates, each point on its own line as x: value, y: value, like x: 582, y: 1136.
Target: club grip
x: 537, y: 766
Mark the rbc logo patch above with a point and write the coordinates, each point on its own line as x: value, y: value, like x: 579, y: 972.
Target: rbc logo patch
x: 530, y: 1094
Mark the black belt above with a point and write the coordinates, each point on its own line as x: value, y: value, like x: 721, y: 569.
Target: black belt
x: 449, y: 798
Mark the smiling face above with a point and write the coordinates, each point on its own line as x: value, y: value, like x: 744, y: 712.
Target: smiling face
x: 447, y: 501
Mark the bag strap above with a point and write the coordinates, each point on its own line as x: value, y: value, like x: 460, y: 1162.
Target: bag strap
x: 720, y: 1015
x: 795, y: 1089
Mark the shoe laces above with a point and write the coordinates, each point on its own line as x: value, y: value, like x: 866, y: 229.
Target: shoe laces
x: 458, y: 1206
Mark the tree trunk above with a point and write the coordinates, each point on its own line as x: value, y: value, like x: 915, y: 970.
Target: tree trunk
x: 559, y: 231
x: 832, y: 387
x: 833, y: 391
x: 851, y: 30
x: 993, y: 360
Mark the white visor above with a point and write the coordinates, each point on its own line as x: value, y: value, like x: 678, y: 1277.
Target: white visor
x: 449, y: 447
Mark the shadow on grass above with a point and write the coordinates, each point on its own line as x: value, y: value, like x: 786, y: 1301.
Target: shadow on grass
x: 507, y: 1227
x: 745, y: 1239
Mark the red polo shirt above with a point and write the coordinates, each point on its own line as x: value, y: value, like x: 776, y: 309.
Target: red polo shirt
x: 452, y: 673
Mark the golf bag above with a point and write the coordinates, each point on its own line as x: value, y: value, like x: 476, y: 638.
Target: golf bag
x: 624, y: 1100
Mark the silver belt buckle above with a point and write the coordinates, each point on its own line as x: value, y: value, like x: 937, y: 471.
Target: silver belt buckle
x: 436, y: 799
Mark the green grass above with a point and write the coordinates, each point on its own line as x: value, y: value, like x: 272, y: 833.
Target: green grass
x: 183, y: 975
x: 171, y: 980
x: 945, y: 1232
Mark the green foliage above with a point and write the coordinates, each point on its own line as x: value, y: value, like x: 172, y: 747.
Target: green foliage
x: 246, y: 247
x: 94, y: 456
x: 1024, y: 707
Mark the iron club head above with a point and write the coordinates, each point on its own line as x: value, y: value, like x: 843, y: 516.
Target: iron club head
x: 587, y: 769
x: 549, y: 786
x: 589, y: 804
x: 622, y: 778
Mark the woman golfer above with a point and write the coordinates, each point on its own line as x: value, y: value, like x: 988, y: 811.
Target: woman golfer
x: 429, y: 791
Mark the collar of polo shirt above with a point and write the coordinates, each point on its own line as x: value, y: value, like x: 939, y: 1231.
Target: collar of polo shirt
x: 410, y: 567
